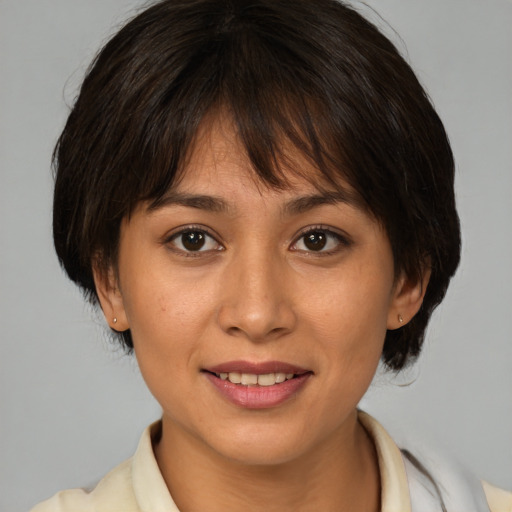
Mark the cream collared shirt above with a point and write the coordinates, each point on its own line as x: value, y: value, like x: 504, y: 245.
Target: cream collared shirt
x: 137, y: 485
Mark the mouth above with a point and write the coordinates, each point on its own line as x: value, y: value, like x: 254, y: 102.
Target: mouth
x: 253, y: 379
x: 258, y: 385
x: 268, y: 373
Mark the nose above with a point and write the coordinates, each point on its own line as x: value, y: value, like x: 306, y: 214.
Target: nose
x: 257, y: 299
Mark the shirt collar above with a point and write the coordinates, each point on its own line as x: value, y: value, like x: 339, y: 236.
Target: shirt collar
x: 148, y: 483
x: 393, y: 477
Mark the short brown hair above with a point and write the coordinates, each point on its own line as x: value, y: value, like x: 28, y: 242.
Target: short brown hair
x: 316, y: 75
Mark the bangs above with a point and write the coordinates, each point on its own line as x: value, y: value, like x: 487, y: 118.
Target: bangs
x: 279, y: 114
x: 287, y: 98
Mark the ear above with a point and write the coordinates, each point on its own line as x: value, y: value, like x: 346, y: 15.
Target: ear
x: 111, y: 299
x: 407, y: 299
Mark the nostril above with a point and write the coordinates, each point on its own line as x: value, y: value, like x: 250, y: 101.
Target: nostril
x: 234, y: 331
x: 278, y: 331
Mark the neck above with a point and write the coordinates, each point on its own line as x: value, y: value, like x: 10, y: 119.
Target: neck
x: 340, y: 473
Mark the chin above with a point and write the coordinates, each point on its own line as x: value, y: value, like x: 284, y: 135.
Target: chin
x: 260, y: 445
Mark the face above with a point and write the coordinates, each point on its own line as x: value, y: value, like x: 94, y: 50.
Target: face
x: 258, y: 316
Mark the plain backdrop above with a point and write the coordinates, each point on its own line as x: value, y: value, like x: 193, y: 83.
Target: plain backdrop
x: 72, y: 406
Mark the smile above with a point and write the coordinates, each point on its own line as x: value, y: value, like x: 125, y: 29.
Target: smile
x: 252, y: 379
x: 257, y: 385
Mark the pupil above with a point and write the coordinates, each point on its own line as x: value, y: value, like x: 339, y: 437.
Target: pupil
x: 315, y: 241
x: 193, y: 240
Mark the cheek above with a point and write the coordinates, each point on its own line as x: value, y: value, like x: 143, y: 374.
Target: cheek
x: 167, y: 326
x: 167, y: 316
x: 350, y: 320
x: 165, y: 300
x: 354, y: 306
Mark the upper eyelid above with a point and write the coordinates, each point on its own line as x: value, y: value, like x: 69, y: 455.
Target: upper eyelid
x: 168, y: 241
x: 190, y: 227
x: 342, y: 235
x: 343, y: 241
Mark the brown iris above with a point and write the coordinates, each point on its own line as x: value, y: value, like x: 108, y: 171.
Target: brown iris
x: 193, y: 240
x: 315, y: 241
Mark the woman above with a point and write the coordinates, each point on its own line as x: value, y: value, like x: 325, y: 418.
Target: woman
x: 260, y: 197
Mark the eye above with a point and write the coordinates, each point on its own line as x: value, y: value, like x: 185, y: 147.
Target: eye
x: 192, y: 240
x: 320, y: 240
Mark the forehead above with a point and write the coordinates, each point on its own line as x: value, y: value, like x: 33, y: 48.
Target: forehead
x: 218, y: 163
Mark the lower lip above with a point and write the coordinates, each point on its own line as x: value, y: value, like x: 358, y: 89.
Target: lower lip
x: 259, y: 397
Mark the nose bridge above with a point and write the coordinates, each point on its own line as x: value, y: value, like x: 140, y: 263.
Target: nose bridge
x: 255, y: 303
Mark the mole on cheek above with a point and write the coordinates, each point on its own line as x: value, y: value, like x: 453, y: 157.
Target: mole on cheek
x: 163, y: 305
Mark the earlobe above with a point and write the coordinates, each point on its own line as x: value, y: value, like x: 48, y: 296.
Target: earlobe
x: 110, y: 297
x: 407, y: 299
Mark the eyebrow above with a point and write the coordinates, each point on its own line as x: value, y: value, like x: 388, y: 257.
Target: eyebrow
x: 306, y: 203
x: 218, y: 205
x: 199, y: 201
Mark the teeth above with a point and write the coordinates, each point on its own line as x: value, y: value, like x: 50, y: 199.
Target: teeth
x: 235, y: 377
x: 280, y: 377
x: 268, y: 379
x: 248, y: 379
x: 251, y: 379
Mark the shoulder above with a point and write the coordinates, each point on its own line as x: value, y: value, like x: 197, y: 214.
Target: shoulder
x: 425, y: 479
x: 134, y: 485
x: 73, y: 499
x: 114, y: 490
x: 498, y: 499
x: 457, y: 487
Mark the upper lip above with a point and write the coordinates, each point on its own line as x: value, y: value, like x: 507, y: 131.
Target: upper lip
x: 257, y: 368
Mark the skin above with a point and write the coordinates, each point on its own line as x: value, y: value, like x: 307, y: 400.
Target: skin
x: 256, y: 292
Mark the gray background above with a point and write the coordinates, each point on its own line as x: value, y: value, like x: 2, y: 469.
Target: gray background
x: 72, y: 406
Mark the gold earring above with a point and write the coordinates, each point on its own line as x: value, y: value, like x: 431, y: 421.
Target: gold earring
x: 400, y: 319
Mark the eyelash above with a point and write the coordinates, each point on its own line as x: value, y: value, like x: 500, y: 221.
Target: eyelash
x: 169, y: 241
x: 341, y: 241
